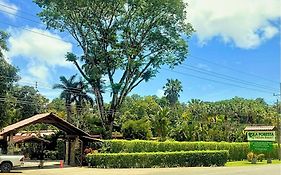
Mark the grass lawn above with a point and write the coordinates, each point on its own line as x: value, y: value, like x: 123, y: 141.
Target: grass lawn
x: 246, y: 163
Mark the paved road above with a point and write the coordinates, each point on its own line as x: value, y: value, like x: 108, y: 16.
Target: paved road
x: 247, y: 170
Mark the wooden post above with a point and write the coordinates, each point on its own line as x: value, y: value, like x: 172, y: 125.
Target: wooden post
x: 66, y: 158
x: 73, y: 147
x: 82, y: 151
x: 11, y: 144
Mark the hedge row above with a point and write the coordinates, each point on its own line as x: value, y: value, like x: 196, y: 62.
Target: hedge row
x: 158, y: 159
x: 237, y: 151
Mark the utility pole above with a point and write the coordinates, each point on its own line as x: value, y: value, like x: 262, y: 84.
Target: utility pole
x: 278, y: 130
x: 278, y: 122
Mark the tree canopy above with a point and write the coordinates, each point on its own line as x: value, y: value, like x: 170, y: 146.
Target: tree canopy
x: 125, y: 41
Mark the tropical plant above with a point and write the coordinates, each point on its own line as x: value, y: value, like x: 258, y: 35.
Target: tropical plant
x: 68, y: 87
x: 172, y: 90
x: 137, y: 129
x: 161, y: 123
x: 80, y: 95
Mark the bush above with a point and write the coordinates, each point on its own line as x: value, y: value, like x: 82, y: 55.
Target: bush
x: 60, y: 149
x: 237, y: 151
x: 158, y: 159
x: 51, y: 155
x: 137, y: 129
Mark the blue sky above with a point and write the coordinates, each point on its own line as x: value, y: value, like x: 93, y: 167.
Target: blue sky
x: 238, y: 40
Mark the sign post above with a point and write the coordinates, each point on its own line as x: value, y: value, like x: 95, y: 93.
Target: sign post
x: 261, y: 138
x: 261, y: 146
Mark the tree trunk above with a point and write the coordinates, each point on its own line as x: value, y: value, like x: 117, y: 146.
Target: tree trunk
x: 109, y: 128
x: 68, y: 112
x: 79, y: 115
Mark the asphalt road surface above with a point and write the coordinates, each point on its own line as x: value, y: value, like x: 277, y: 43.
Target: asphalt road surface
x: 245, y: 170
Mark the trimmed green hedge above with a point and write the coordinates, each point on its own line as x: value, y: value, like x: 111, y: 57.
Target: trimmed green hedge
x: 158, y: 159
x: 237, y: 151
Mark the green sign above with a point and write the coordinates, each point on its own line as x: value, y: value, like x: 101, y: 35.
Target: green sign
x: 261, y: 136
x: 261, y: 146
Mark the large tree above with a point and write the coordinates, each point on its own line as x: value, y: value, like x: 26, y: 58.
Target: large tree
x: 3, y: 45
x: 126, y: 41
x: 8, y: 75
x: 27, y: 102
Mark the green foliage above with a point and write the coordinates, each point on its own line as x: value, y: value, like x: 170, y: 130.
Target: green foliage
x: 8, y: 75
x: 28, y: 102
x: 136, y: 107
x: 158, y: 159
x: 51, y: 155
x: 68, y: 87
x: 16, y: 102
x: 60, y: 148
x: 161, y: 122
x: 73, y: 92
x: 137, y: 129
x: 134, y: 38
x: 57, y: 106
x: 3, y: 45
x: 237, y: 151
x: 172, y: 89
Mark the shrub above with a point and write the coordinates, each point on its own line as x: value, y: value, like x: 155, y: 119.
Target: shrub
x: 137, y: 129
x: 51, y: 155
x: 237, y: 151
x: 60, y: 149
x: 158, y: 159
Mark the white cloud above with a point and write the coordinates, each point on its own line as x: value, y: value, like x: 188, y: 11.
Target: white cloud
x: 245, y: 23
x: 39, y: 71
x: 42, y: 54
x: 9, y: 8
x: 160, y: 93
x: 39, y: 48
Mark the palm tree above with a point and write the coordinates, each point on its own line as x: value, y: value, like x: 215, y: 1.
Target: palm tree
x: 69, y: 89
x: 161, y: 122
x: 171, y: 90
x: 81, y: 98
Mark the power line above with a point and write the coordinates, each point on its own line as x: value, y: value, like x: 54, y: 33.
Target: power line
x: 24, y: 101
x: 230, y: 68
x: 9, y: 13
x: 24, y: 12
x: 240, y: 81
x: 45, y: 86
x: 75, y: 44
x: 225, y: 77
x: 38, y: 33
x: 220, y: 82
x: 235, y: 70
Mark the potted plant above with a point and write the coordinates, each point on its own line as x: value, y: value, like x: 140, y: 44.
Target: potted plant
x: 251, y: 157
